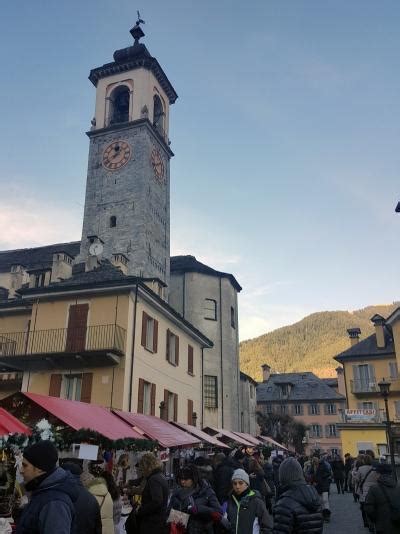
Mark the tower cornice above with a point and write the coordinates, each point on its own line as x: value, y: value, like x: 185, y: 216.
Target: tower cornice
x: 145, y: 62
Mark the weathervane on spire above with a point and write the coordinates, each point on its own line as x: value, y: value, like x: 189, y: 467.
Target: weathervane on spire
x: 137, y: 32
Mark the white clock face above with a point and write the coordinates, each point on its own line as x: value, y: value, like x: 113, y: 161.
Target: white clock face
x: 95, y: 249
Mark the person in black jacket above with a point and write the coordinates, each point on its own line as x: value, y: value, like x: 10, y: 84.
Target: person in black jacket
x: 223, y: 475
x: 87, y: 509
x: 338, y: 471
x: 348, y: 466
x: 152, y: 515
x: 381, y: 499
x: 322, y: 482
x: 196, y: 498
x: 298, y: 509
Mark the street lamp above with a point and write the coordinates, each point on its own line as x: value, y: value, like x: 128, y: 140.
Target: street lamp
x: 384, y: 388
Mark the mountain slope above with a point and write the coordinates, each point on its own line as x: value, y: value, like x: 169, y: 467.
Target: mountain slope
x: 308, y: 345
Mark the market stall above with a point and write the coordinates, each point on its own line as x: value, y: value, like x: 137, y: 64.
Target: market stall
x: 228, y: 437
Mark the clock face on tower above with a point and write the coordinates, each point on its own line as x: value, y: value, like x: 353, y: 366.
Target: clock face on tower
x: 158, y: 164
x: 116, y: 155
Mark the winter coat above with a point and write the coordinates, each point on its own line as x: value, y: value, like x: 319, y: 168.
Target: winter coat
x: 51, y: 509
x: 152, y: 514
x: 338, y: 469
x: 248, y: 515
x: 87, y: 510
x: 322, y: 477
x: 98, y: 488
x: 222, y: 478
x: 201, y: 504
x: 366, y: 477
x: 377, y: 507
x: 298, y: 511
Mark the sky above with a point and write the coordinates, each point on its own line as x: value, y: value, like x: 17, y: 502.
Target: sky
x: 285, y: 133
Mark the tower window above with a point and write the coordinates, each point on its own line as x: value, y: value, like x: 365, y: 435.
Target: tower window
x: 210, y: 309
x: 119, y: 109
x: 113, y: 221
x: 158, y: 117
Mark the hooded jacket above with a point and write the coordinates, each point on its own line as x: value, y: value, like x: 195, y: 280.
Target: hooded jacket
x: 222, y: 478
x: 248, y: 514
x: 377, y: 507
x: 98, y: 488
x: 51, y: 507
x: 87, y: 509
x: 298, y: 511
x: 201, y: 503
x: 152, y: 514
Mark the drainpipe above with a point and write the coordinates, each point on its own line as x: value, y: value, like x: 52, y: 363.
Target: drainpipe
x: 133, y: 349
x: 202, y: 389
x: 221, y: 360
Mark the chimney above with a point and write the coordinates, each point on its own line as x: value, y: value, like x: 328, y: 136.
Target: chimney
x: 354, y: 335
x: 62, y: 267
x: 17, y: 279
x: 266, y: 371
x: 379, y: 323
x: 340, y: 379
x: 92, y: 263
x: 121, y: 262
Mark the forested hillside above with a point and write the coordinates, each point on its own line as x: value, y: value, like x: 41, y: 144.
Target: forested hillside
x: 308, y: 345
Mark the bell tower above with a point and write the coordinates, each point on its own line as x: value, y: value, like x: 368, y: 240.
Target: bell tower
x: 127, y: 202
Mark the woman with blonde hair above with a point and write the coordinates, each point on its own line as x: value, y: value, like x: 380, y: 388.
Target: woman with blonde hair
x: 152, y: 515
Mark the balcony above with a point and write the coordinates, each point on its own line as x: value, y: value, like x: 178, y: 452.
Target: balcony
x: 10, y: 381
x: 62, y: 348
x: 377, y: 416
x: 368, y: 387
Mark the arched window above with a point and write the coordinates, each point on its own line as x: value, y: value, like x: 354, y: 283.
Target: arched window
x: 113, y: 221
x: 158, y: 118
x: 119, y: 104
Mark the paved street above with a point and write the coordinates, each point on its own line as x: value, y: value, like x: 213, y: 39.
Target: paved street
x: 346, y: 515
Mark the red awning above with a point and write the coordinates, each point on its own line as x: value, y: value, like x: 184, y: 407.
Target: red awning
x: 166, y: 434
x: 79, y: 415
x: 11, y: 425
x: 201, y: 435
x: 273, y: 443
x: 221, y: 433
x: 248, y: 437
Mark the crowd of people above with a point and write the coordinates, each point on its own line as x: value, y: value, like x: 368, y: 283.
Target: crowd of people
x: 242, y: 493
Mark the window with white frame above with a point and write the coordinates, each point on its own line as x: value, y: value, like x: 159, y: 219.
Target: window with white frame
x: 172, y: 348
x: 315, y: 431
x: 149, y: 333
x: 147, y: 398
x: 314, y: 409
x: 330, y: 409
x: 331, y: 431
x: 71, y: 387
x: 393, y: 370
x: 298, y: 409
x: 210, y: 309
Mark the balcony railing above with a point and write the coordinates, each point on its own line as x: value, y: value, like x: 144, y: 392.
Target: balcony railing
x: 63, y: 340
x: 371, y: 385
x: 378, y: 417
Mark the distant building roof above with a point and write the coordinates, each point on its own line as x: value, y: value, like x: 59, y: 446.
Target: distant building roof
x: 304, y: 387
x: 331, y: 382
x: 367, y: 347
x: 187, y: 264
x: 37, y: 257
x: 243, y: 376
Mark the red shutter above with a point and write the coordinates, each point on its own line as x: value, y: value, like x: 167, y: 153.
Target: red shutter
x: 153, y: 399
x: 144, y: 328
x: 155, y: 336
x: 86, y: 392
x: 190, y: 412
x: 166, y: 394
x: 140, y: 396
x: 55, y: 385
x: 175, y: 418
x: 190, y: 359
x: 176, y: 350
x: 77, y: 326
x: 167, y: 348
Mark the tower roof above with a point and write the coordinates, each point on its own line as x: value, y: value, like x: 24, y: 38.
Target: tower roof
x: 134, y: 57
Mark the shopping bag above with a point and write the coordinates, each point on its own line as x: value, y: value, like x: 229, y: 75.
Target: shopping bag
x: 178, y: 517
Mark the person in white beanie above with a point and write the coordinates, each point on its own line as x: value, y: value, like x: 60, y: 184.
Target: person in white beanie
x: 246, y: 511
x: 298, y: 508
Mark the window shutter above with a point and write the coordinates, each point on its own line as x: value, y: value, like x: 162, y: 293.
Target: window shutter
x: 144, y: 329
x: 175, y: 407
x: 140, y: 396
x: 356, y: 372
x: 86, y: 393
x: 153, y: 399
x: 155, y: 336
x: 190, y: 359
x: 371, y: 372
x: 55, y: 385
x: 190, y: 412
x: 177, y: 350
x: 167, y: 348
x: 166, y: 414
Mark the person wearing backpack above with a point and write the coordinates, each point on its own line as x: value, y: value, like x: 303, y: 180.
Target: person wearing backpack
x: 366, y: 477
x: 382, y: 503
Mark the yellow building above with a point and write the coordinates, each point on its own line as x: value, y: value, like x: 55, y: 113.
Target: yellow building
x: 103, y: 337
x: 365, y: 364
